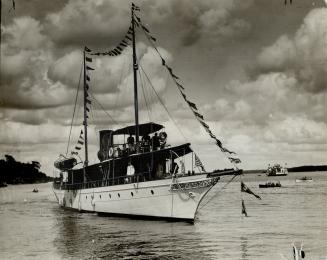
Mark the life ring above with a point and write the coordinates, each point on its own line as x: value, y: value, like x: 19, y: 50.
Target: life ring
x: 163, y: 136
x: 111, y: 152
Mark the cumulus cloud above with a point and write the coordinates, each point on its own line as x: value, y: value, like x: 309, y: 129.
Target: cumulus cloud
x: 303, y: 55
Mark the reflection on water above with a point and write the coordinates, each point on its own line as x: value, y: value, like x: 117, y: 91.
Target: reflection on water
x: 34, y: 227
x: 244, y: 248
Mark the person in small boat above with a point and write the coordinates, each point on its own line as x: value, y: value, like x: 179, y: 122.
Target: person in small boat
x: 155, y: 142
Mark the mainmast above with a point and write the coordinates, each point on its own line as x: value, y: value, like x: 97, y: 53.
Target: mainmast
x: 135, y: 68
x: 85, y: 116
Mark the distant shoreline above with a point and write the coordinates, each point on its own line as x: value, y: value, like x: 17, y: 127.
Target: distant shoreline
x: 304, y: 168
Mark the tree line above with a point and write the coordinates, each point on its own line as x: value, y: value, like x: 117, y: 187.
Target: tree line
x: 15, y: 172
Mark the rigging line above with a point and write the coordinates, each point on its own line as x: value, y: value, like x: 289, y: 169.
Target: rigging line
x: 71, y: 124
x: 154, y: 46
x: 146, y: 103
x: 227, y: 183
x: 113, y: 120
x: 162, y: 103
x: 120, y: 80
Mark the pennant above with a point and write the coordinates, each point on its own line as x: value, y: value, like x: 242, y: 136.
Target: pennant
x: 212, y: 135
x: 204, y: 124
x: 136, y: 23
x: 74, y: 153
x: 192, y: 105
x: 136, y: 8
x: 123, y: 44
x: 77, y: 148
x: 219, y: 143
x: 87, y: 49
x: 87, y: 109
x: 89, y: 68
x: 234, y: 160
x: 88, y: 101
x: 119, y: 48
x: 87, y: 86
x: 138, y: 18
x: 88, y: 59
x: 180, y: 86
x: 163, y: 62
x: 184, y: 96
x: 246, y: 189
x: 201, y: 117
x: 127, y: 37
x: 154, y: 39
x: 81, y: 133
x: 244, y: 209
x: 80, y: 142
x: 87, y: 78
x: 145, y: 29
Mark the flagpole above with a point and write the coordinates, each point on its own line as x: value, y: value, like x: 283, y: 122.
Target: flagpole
x: 85, y: 116
x: 135, y: 68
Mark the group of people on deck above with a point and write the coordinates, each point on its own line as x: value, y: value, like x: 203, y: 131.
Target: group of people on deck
x: 147, y: 143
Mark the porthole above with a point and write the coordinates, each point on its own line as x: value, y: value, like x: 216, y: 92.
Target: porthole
x: 110, y: 196
x: 152, y: 192
x: 132, y: 194
x: 100, y: 196
x: 118, y: 195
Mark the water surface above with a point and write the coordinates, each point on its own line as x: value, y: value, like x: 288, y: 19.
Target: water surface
x: 32, y: 226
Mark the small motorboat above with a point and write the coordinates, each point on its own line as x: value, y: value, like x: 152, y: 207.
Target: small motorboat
x: 35, y: 190
x: 270, y: 185
x: 304, y: 179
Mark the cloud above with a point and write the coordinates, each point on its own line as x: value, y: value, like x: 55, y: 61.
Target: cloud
x: 304, y: 55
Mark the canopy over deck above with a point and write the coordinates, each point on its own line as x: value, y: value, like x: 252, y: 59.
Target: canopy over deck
x: 144, y: 129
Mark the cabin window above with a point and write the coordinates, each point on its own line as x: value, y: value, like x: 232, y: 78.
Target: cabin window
x: 152, y: 192
x: 110, y: 196
x: 132, y: 194
x: 118, y: 195
x: 85, y: 197
x: 100, y: 196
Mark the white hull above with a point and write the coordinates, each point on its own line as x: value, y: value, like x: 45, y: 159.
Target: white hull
x: 145, y: 199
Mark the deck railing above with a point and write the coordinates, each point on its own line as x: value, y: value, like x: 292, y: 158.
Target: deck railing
x: 59, y: 184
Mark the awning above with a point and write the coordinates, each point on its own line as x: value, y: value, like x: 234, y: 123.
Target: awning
x: 144, y: 129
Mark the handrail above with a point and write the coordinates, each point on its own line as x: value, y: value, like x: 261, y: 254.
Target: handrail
x: 140, y: 177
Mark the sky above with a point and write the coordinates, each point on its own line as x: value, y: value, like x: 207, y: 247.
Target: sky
x: 257, y: 70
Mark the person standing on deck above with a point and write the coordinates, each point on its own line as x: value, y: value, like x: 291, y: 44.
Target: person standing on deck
x: 155, y: 142
x: 130, y: 142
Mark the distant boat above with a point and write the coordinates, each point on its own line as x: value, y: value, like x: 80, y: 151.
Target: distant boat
x: 270, y: 185
x: 304, y: 179
x: 35, y: 190
x: 276, y: 170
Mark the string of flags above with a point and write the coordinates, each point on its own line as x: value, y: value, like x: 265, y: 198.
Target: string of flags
x: 124, y: 43
x: 87, y: 79
x: 246, y: 189
x: 87, y: 101
x: 79, y: 144
x: 192, y: 105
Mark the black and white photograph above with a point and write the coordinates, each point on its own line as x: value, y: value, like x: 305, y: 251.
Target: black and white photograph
x: 163, y: 129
